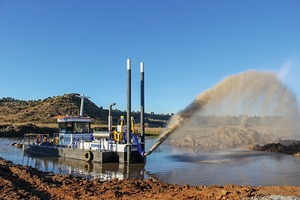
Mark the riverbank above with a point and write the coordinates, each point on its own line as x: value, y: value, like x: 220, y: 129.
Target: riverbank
x: 23, y: 182
x: 19, y: 129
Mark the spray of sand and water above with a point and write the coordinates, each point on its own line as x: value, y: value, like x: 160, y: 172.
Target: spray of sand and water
x: 253, y: 93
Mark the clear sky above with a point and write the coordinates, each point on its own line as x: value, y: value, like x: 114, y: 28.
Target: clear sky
x: 49, y: 48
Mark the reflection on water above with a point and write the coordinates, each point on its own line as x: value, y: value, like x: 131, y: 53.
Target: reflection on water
x: 179, y: 166
x: 87, y: 170
x: 81, y: 168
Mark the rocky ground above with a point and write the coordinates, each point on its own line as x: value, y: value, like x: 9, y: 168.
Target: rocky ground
x: 23, y: 182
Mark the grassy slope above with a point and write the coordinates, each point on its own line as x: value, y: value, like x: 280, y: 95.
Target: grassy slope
x: 39, y: 114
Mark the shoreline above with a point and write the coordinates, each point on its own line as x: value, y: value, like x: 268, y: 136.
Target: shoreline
x: 14, y: 130
x: 24, y: 182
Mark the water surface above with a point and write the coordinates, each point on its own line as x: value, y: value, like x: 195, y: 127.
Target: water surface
x: 179, y: 166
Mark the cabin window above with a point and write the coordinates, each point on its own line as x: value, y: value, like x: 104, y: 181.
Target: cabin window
x: 62, y: 127
x: 65, y: 127
x: 81, y: 127
x: 69, y: 127
x: 74, y: 127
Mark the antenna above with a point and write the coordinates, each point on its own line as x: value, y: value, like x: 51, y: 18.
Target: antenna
x: 82, y: 97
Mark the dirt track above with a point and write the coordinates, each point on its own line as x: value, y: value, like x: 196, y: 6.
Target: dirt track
x: 22, y: 182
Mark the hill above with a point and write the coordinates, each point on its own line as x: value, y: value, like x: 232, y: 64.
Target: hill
x: 18, y: 111
x: 14, y: 112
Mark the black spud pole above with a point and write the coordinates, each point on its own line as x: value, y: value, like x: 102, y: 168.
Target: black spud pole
x: 142, y: 106
x: 128, y: 109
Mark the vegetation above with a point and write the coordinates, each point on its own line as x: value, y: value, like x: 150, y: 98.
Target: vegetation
x: 38, y: 114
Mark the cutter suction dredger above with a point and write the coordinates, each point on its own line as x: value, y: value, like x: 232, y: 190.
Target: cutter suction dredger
x: 75, y: 139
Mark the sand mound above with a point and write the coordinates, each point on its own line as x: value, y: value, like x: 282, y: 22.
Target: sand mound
x: 222, y: 138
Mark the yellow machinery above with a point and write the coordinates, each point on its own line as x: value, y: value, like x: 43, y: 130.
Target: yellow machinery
x: 121, y: 128
x: 120, y: 132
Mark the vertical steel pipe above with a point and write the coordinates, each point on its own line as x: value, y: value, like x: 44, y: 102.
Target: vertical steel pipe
x: 128, y: 109
x: 110, y: 119
x: 82, y: 104
x: 142, y: 106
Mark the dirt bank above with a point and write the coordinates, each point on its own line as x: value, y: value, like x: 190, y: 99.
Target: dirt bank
x: 18, y: 130
x: 291, y: 147
x: 21, y: 182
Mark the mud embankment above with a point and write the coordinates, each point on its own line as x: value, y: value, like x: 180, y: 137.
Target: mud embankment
x: 290, y: 147
x: 22, y: 182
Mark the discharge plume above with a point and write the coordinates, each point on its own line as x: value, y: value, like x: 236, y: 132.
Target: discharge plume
x: 263, y: 91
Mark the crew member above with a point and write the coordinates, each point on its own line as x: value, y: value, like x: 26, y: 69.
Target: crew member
x: 38, y: 139
x: 56, y: 140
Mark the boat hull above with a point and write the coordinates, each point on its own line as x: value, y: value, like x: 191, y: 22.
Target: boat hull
x: 82, y: 154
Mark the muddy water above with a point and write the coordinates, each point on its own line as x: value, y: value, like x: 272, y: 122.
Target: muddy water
x: 173, y: 165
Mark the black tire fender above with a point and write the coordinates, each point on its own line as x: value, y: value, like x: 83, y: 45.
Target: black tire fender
x: 88, y: 156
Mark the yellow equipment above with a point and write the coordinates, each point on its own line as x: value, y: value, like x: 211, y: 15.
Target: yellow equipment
x: 122, y: 129
x: 132, y: 126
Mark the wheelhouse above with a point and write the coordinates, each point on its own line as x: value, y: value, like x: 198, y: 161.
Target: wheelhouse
x: 71, y: 125
x: 72, y: 129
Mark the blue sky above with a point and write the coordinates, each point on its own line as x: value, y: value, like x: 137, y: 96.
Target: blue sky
x: 48, y: 48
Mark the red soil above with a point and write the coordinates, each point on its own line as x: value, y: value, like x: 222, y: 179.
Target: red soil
x: 22, y: 182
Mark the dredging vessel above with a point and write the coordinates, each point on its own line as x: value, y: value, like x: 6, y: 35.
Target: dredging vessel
x: 76, y: 140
